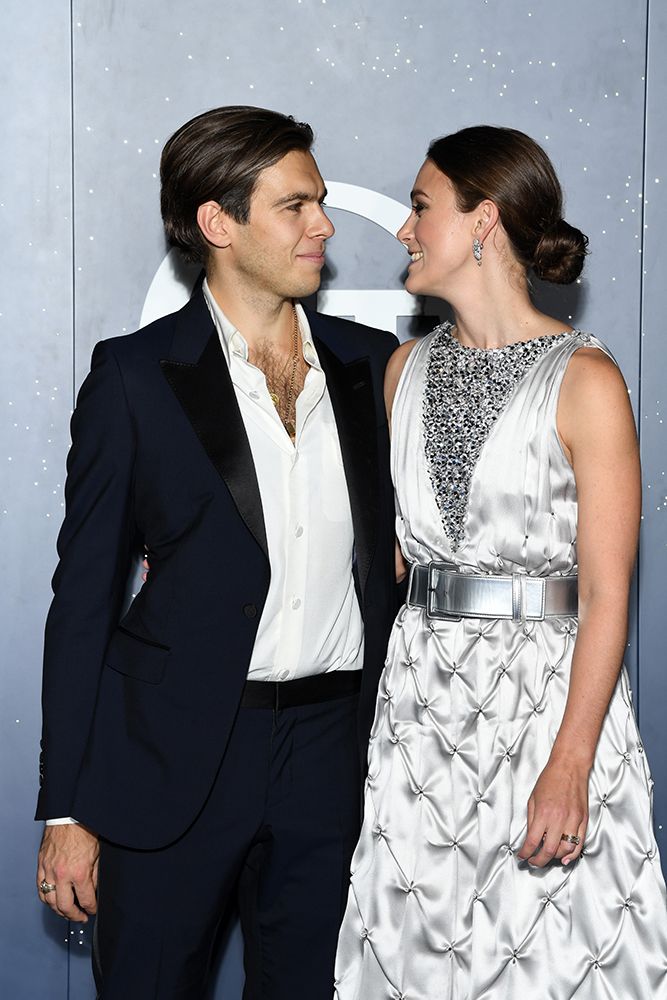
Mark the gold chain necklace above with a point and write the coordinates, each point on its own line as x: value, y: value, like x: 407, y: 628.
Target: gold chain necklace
x: 289, y: 424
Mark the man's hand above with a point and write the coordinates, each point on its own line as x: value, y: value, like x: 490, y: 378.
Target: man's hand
x: 68, y: 859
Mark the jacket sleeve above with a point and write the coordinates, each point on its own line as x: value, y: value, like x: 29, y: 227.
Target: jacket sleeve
x: 94, y: 548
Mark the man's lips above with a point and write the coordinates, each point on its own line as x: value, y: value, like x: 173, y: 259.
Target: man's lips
x: 315, y: 258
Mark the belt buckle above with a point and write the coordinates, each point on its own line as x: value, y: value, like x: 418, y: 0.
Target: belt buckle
x: 528, y: 597
x: 431, y: 610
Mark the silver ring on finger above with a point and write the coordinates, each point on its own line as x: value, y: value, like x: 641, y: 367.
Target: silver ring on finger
x: 46, y: 887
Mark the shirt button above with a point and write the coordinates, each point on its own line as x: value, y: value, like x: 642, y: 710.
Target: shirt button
x: 299, y: 531
x: 283, y: 675
x: 249, y: 610
x: 253, y: 394
x: 296, y: 604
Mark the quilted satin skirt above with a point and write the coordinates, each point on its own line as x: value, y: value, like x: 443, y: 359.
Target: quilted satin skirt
x: 440, y: 908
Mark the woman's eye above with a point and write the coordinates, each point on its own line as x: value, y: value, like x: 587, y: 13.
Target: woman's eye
x: 418, y: 208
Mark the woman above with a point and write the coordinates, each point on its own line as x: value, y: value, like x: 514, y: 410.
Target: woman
x: 507, y: 848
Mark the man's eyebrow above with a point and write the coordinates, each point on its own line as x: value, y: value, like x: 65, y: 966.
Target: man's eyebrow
x: 299, y: 196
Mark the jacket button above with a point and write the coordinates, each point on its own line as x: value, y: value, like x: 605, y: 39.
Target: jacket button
x: 249, y: 610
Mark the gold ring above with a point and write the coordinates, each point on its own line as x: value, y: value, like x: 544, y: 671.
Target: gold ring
x: 570, y: 838
x: 46, y: 887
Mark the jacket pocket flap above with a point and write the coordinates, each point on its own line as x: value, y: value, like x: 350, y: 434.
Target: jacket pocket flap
x: 136, y: 657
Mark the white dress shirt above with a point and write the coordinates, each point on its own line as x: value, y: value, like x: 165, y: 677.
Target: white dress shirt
x: 311, y: 622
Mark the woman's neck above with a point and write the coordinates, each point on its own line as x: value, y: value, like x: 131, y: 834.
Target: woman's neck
x: 495, y: 313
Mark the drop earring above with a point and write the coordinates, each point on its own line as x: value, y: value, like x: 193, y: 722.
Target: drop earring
x: 477, y: 247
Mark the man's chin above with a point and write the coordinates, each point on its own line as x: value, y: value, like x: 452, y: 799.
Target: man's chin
x: 303, y: 289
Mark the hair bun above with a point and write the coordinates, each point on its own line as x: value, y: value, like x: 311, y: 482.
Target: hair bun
x: 560, y: 253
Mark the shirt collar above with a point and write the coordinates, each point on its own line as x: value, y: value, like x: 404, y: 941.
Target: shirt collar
x: 234, y: 343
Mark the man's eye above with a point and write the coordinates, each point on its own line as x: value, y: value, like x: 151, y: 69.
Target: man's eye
x: 295, y: 208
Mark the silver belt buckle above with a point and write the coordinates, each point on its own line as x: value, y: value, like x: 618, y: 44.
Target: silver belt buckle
x: 528, y: 598
x: 431, y: 610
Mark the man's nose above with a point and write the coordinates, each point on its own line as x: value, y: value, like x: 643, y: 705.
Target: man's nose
x: 324, y: 225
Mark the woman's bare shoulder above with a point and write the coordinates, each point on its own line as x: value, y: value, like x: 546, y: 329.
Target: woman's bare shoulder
x: 394, y: 370
x: 591, y: 370
x: 594, y: 406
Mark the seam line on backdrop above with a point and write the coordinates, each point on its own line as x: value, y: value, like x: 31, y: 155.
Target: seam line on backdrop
x: 68, y: 977
x: 72, y: 196
x: 640, y: 385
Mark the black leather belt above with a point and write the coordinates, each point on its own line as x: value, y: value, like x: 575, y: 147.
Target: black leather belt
x: 446, y: 594
x: 301, y: 690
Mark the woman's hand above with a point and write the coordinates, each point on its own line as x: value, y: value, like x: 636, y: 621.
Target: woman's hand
x: 558, y: 806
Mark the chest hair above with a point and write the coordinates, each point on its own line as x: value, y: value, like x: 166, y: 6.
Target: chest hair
x: 277, y: 367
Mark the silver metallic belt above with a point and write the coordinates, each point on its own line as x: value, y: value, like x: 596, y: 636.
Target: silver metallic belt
x: 449, y: 595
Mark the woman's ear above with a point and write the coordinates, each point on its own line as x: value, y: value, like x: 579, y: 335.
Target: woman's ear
x: 214, y: 224
x: 485, y: 219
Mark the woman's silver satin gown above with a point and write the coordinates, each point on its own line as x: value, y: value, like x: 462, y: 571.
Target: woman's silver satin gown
x: 439, y: 906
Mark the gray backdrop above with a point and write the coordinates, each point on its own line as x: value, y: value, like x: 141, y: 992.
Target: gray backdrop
x: 90, y: 91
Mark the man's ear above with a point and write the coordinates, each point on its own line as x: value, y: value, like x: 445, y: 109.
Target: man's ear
x: 486, y: 217
x: 214, y: 224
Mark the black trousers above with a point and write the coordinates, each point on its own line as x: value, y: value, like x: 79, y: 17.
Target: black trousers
x: 277, y: 832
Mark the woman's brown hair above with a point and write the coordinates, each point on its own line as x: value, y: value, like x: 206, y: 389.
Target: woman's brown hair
x: 513, y: 171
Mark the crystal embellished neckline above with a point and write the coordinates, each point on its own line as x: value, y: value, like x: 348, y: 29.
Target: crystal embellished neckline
x: 466, y: 389
x: 448, y: 327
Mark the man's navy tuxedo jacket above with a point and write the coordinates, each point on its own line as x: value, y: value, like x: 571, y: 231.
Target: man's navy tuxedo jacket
x: 138, y: 707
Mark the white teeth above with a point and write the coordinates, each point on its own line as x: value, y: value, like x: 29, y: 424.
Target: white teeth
x: 416, y: 256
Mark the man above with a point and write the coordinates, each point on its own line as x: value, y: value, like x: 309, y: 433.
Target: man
x: 209, y: 741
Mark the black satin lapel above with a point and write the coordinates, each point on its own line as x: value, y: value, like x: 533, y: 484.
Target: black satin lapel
x: 351, y: 392
x: 206, y: 393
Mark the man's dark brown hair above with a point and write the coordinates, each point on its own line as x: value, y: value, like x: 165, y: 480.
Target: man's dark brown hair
x: 218, y: 156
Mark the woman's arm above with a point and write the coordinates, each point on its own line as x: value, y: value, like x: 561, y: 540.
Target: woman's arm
x: 393, y: 372
x: 597, y: 431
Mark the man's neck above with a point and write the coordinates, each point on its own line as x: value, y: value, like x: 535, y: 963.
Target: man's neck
x: 257, y: 315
